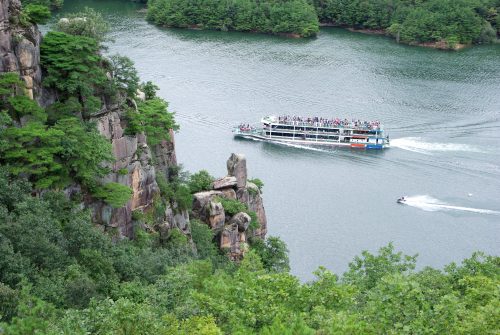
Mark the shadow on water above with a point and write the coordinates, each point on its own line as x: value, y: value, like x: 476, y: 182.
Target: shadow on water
x: 196, y: 35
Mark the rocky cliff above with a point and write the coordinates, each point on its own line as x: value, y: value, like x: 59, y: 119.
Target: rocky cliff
x: 232, y: 232
x: 137, y: 165
x: 20, y: 47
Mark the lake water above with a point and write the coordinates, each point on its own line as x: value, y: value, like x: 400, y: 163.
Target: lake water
x: 441, y: 110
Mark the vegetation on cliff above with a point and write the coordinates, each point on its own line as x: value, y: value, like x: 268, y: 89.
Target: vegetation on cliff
x: 295, y: 17
x: 430, y: 21
x: 61, y: 275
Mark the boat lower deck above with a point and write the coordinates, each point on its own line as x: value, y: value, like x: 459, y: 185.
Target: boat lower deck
x: 309, y: 142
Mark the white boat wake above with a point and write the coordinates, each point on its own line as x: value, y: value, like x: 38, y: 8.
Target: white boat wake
x: 430, y: 204
x: 416, y: 144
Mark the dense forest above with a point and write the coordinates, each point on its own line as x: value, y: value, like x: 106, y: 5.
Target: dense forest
x: 61, y: 275
x: 275, y: 17
x: 448, y: 22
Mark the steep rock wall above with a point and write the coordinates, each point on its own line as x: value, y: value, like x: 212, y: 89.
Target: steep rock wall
x: 20, y: 47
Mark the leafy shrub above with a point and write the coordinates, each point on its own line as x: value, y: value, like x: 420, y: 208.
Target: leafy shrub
x: 72, y: 66
x: 200, y: 181
x: 257, y: 183
x: 32, y: 150
x: 124, y: 74
x: 183, y: 197
x: 37, y: 13
x: 232, y: 206
x: 152, y: 118
x: 88, y: 23
x: 202, y: 237
x: 13, y: 100
x: 114, y: 194
x: 84, y: 151
x: 273, y: 252
x: 149, y: 89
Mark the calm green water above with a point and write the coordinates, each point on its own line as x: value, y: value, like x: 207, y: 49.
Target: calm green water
x: 441, y: 110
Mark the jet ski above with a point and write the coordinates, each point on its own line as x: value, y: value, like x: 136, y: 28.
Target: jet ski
x: 401, y: 200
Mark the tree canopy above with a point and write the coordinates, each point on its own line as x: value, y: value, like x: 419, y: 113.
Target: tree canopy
x: 270, y: 16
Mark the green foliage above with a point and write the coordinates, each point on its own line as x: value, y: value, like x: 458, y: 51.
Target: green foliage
x: 37, y: 13
x: 114, y: 194
x: 13, y: 100
x: 77, y: 281
x: 259, y: 183
x: 273, y: 252
x: 72, y: 66
x: 9, y: 299
x: 451, y: 21
x: 88, y: 23
x: 84, y: 151
x: 176, y: 238
x: 366, y: 271
x: 32, y: 150
x: 200, y: 181
x: 54, y: 4
x: 124, y: 74
x: 274, y: 17
x: 232, y: 206
x: 203, y: 237
x: 153, y: 119
x: 149, y: 89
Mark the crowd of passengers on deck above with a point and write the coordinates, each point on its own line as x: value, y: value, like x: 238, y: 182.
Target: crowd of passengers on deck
x: 323, y: 122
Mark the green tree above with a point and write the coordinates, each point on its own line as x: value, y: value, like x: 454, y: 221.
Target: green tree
x: 88, y: 23
x: 84, y: 151
x: 72, y: 66
x: 32, y: 150
x: 124, y: 74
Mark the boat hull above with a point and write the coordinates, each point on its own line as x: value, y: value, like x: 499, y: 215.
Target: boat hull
x: 260, y: 137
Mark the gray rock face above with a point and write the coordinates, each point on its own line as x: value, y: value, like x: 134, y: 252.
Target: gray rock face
x: 232, y: 231
x: 20, y: 47
x: 226, y: 182
x: 237, y: 167
x: 242, y: 220
x: 201, y: 200
x: 134, y: 168
x: 216, y: 215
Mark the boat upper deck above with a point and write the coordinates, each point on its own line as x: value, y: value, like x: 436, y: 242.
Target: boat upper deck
x: 319, y: 122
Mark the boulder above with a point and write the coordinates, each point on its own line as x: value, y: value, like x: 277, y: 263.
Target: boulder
x: 228, y: 193
x: 242, y: 220
x: 181, y: 221
x: 226, y: 182
x: 230, y: 239
x: 201, y: 199
x: 216, y: 215
x: 237, y: 167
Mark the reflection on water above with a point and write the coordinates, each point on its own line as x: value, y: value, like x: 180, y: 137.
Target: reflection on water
x: 328, y: 206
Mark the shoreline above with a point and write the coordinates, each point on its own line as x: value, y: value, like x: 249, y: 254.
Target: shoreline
x: 439, y: 45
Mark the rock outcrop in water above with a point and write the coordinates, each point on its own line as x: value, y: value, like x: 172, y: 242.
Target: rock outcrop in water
x: 232, y: 232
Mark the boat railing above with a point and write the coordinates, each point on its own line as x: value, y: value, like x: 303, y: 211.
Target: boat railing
x: 328, y: 125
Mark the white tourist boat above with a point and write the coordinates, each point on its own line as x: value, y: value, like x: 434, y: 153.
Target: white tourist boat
x: 315, y: 131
